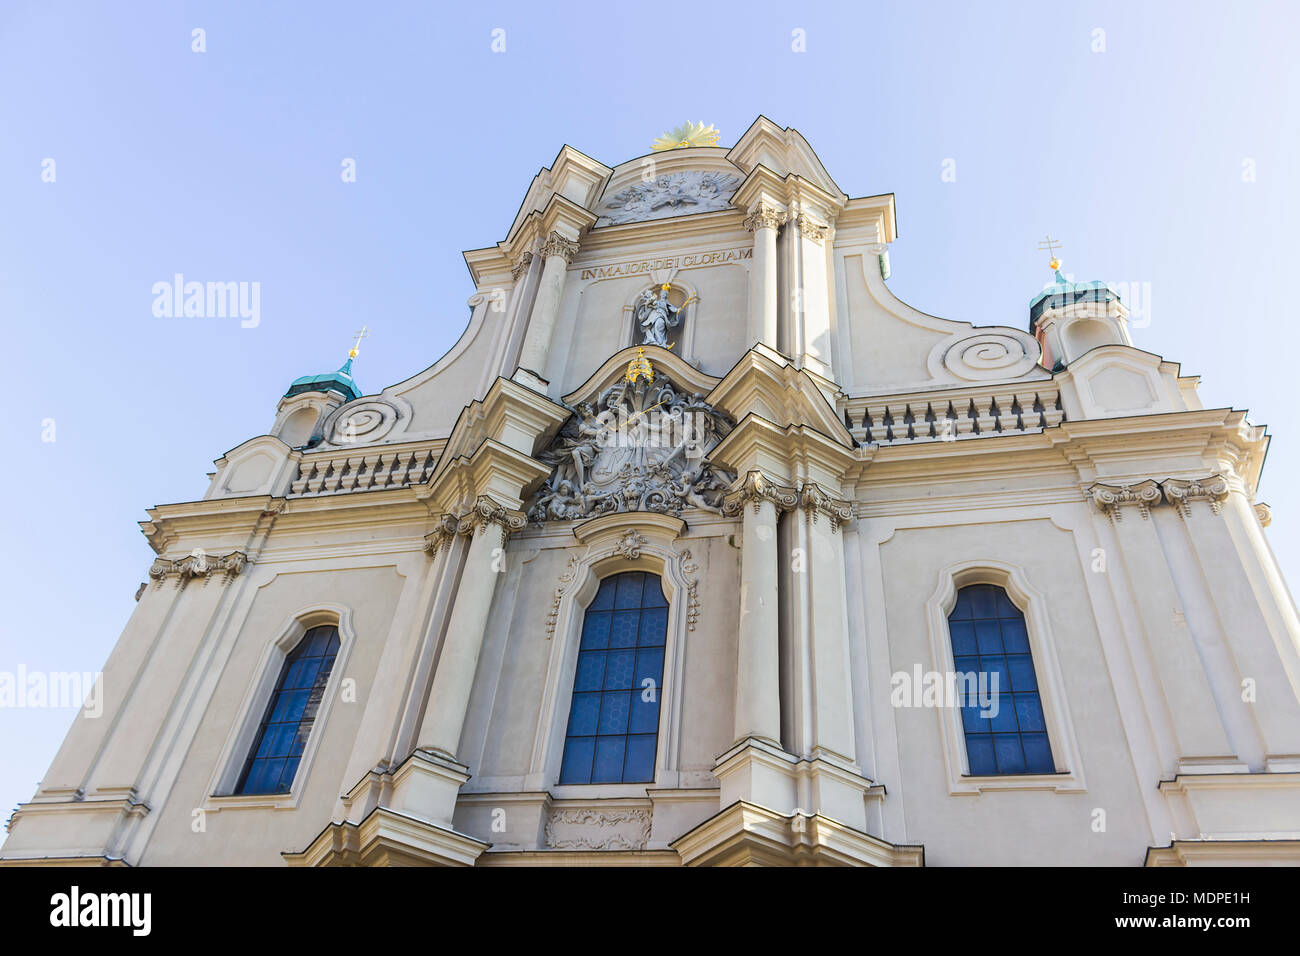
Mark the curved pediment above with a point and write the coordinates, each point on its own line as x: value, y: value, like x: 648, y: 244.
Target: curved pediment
x: 675, y: 182
x: 684, y: 375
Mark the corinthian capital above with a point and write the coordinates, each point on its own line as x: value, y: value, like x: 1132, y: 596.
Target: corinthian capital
x: 488, y: 511
x: 521, y: 265
x: 557, y: 245
x: 764, y: 216
x: 815, y: 500
x: 1109, y: 499
x: 198, y: 564
x: 810, y: 228
x: 1181, y: 494
x: 757, y: 487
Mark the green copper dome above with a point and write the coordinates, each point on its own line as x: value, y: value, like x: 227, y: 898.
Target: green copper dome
x: 340, y: 381
x: 1062, y: 292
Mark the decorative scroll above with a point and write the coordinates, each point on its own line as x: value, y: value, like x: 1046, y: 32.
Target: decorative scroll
x: 1181, y: 493
x: 1110, y: 499
x: 198, y: 564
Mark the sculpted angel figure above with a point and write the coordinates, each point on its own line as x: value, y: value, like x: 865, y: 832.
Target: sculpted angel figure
x: 656, y: 315
x: 594, y: 433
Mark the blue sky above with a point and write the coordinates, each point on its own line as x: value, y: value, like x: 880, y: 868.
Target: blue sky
x: 1169, y: 158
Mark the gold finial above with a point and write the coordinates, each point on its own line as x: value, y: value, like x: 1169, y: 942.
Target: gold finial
x: 356, y: 347
x: 666, y: 287
x: 640, y: 367
x: 686, y: 135
x: 1051, y: 245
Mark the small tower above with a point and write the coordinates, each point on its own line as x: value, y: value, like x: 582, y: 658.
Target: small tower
x: 310, y: 399
x: 1072, y: 318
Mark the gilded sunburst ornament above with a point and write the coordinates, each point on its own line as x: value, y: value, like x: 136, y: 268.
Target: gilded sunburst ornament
x: 686, y: 135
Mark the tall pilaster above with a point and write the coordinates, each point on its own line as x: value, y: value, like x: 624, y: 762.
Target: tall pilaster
x: 763, y: 222
x: 557, y: 252
x: 758, y: 692
x: 489, y: 522
x: 1198, y: 728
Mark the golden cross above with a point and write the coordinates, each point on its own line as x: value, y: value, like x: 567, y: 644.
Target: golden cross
x: 1051, y: 245
x: 363, y: 333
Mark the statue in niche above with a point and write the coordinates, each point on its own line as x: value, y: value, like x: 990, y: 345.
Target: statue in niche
x: 655, y: 315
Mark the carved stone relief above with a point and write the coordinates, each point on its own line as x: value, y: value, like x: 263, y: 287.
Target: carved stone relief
x: 642, y: 447
x: 673, y: 194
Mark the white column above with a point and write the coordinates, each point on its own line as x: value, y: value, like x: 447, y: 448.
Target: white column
x: 763, y: 222
x: 557, y: 252
x: 758, y: 690
x: 444, y: 717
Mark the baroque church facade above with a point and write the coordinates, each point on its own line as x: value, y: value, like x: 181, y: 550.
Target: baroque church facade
x: 700, y: 547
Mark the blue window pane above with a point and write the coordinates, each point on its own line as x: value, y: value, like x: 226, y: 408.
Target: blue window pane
x: 613, y: 712
x: 289, y: 705
x: 628, y: 590
x: 583, y: 715
x: 608, y: 766
x: 1002, y: 714
x: 645, y: 714
x: 1029, y: 713
x: 649, y: 666
x: 988, y: 637
x: 1038, y: 755
x: 979, y: 749
x: 318, y: 641
x: 613, y: 728
x: 623, y: 630
x: 286, y: 775
x: 618, y: 670
x: 1022, y: 673
x: 578, y: 752
x: 653, y: 595
x: 1013, y: 738
x: 971, y: 720
x: 640, y: 763
x: 963, y: 637
x: 604, y: 599
x: 961, y: 611
x: 299, y: 741
x: 654, y: 627
x: 1011, y: 758
x: 983, y: 602
x: 996, y: 678
x: 591, y: 671
x: 595, y: 631
x: 1015, y: 637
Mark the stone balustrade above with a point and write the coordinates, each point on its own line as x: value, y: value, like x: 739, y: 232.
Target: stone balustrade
x: 369, y: 468
x: 953, y: 414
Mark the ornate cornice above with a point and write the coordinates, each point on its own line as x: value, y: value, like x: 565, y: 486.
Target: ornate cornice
x: 557, y: 245
x: 486, y: 511
x: 198, y: 564
x: 521, y: 265
x: 764, y: 216
x: 1181, y: 493
x: 757, y: 487
x: 1109, y: 499
x: 810, y: 228
x: 815, y: 500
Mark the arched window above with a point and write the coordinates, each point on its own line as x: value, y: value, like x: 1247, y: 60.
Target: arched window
x: 285, y: 727
x: 989, y: 640
x: 614, y: 717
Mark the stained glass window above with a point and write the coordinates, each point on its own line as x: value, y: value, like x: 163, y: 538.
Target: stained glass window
x: 614, y: 717
x: 287, y: 723
x: 989, y: 640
